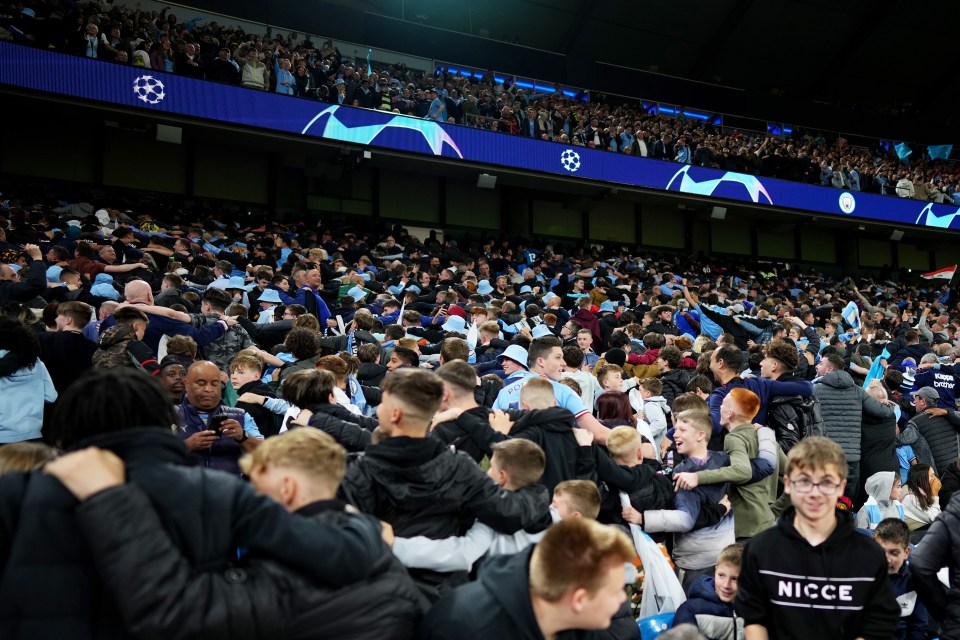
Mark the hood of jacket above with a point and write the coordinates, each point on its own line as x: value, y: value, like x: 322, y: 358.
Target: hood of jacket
x: 879, y: 485
x: 117, y: 334
x: 704, y: 590
x: 411, y: 467
x: 837, y: 380
x: 659, y: 400
x: 554, y: 419
x: 152, y: 445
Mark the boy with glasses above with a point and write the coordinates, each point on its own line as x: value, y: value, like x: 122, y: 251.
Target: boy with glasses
x: 813, y: 575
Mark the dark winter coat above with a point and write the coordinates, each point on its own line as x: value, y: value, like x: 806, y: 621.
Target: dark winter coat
x: 942, y: 434
x: 843, y: 405
x: 50, y: 587
x: 423, y: 489
x: 497, y: 605
x: 716, y: 619
x: 940, y: 548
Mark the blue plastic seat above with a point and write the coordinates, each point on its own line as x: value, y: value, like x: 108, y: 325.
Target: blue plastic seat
x: 653, y: 626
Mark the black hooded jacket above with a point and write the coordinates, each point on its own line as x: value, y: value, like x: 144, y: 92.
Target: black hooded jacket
x: 838, y: 589
x: 423, y: 489
x: 552, y: 429
x: 50, y: 587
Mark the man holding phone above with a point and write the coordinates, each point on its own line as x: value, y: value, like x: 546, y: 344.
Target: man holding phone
x: 215, y: 434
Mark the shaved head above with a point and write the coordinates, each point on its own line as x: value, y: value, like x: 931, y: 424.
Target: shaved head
x: 203, y: 385
x: 138, y: 291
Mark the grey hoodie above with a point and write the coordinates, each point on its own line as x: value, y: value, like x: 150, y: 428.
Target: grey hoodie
x: 878, y: 487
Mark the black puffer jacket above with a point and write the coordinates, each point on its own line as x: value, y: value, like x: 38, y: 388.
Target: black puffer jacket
x: 347, y: 428
x: 161, y: 596
x: 940, y: 547
x: 942, y: 434
x: 843, y: 405
x: 878, y: 448
x: 674, y: 383
x: 49, y: 586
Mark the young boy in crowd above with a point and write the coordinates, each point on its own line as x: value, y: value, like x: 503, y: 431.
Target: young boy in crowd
x: 883, y: 501
x: 516, y: 466
x: 610, y: 377
x: 584, y: 342
x: 576, y: 499
x: 893, y: 535
x: 572, y: 364
x: 812, y: 575
x: 630, y: 468
x: 647, y: 400
x: 710, y: 603
x: 702, y: 526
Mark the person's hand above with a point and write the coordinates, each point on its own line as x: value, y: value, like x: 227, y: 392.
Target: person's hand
x: 665, y: 445
x: 632, y: 516
x: 447, y: 415
x: 725, y: 502
x: 926, y: 365
x: 201, y: 440
x: 250, y: 398
x: 935, y: 486
x: 33, y: 251
x: 583, y: 437
x: 686, y: 481
x: 386, y: 532
x: 500, y: 421
x: 230, y: 428
x: 935, y: 412
x: 87, y: 471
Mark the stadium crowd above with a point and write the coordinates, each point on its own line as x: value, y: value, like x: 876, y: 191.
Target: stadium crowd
x: 296, y: 66
x: 301, y: 431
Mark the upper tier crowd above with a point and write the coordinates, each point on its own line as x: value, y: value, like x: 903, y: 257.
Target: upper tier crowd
x: 300, y: 431
x: 296, y: 66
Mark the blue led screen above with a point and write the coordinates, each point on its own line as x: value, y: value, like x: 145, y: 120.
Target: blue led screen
x: 148, y: 90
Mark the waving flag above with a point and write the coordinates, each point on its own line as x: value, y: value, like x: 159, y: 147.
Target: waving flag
x: 876, y: 369
x: 941, y: 151
x: 851, y: 315
x: 941, y: 274
x: 369, y: 65
x: 903, y: 151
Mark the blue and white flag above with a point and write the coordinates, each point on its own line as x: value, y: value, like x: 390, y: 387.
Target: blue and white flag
x: 903, y: 151
x: 941, y: 151
x: 369, y: 64
x: 876, y: 369
x: 851, y: 315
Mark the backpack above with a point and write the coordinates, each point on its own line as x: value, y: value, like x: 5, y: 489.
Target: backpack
x: 793, y: 418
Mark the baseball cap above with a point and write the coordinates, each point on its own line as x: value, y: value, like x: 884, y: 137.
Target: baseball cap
x: 927, y: 393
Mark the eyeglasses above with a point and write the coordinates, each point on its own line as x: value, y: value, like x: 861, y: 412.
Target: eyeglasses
x: 826, y: 486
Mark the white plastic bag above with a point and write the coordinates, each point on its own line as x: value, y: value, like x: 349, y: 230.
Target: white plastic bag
x: 662, y: 591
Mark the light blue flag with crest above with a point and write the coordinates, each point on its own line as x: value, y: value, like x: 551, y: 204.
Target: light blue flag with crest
x: 851, y: 315
x: 903, y: 151
x: 940, y: 151
x: 876, y: 369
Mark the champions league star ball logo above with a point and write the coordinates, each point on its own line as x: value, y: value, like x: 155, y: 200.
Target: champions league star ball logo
x: 148, y: 89
x: 847, y: 203
x: 570, y: 160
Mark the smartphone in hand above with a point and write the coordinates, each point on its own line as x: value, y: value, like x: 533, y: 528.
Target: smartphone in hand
x: 215, y: 423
